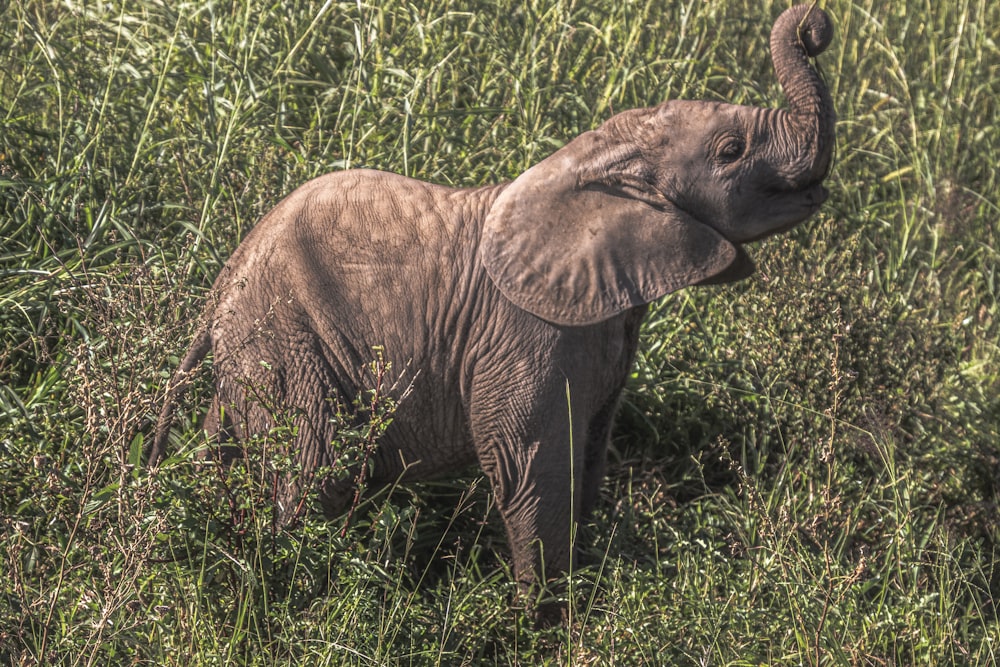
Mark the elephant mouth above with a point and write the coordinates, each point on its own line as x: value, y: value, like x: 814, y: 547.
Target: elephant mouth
x: 785, y: 210
x: 790, y: 209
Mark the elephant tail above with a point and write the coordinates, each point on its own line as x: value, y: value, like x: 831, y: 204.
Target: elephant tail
x: 175, y: 389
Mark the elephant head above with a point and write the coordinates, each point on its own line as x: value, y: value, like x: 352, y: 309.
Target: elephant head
x: 661, y: 198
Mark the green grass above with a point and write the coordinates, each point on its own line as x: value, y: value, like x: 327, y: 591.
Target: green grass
x: 806, y: 467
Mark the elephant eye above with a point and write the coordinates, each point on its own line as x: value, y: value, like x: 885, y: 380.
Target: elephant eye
x: 731, y: 148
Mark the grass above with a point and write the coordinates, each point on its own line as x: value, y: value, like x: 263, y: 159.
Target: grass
x: 805, y: 470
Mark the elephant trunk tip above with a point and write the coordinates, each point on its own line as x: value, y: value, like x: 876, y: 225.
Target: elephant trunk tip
x: 816, y: 32
x: 809, y: 25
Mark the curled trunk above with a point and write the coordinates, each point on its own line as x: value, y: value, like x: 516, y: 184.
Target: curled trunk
x: 802, y: 32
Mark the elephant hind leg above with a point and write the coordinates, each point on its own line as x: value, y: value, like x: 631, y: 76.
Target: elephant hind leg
x: 325, y: 445
x: 220, y: 429
x: 337, y: 494
x: 325, y: 457
x: 292, y: 409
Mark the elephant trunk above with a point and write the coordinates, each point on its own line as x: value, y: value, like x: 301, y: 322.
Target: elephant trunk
x: 800, y: 33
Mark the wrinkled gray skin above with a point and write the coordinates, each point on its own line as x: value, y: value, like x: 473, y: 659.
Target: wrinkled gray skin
x: 491, y: 302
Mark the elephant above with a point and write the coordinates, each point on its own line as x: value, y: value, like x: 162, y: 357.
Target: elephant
x: 508, y: 314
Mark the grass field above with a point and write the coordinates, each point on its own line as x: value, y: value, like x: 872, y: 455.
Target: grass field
x: 806, y: 469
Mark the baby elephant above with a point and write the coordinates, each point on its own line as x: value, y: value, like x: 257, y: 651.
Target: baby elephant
x: 511, y: 312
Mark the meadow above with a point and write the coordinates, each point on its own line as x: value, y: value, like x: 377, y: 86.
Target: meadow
x: 806, y: 467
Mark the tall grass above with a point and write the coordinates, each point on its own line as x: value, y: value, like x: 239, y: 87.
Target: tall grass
x: 806, y: 468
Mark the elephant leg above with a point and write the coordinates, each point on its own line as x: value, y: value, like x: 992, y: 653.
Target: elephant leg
x: 316, y: 450
x: 338, y: 486
x: 596, y: 462
x: 221, y: 433
x: 536, y: 470
x: 599, y: 429
x: 539, y: 502
x: 308, y: 445
x: 320, y: 433
x: 286, y: 414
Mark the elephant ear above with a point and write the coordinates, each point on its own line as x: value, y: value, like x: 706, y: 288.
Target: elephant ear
x: 581, y: 237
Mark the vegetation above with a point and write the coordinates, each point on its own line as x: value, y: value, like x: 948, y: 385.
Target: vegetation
x: 806, y: 469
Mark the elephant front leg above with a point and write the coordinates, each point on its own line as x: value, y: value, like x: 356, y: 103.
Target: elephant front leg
x: 536, y: 469
x: 596, y: 461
